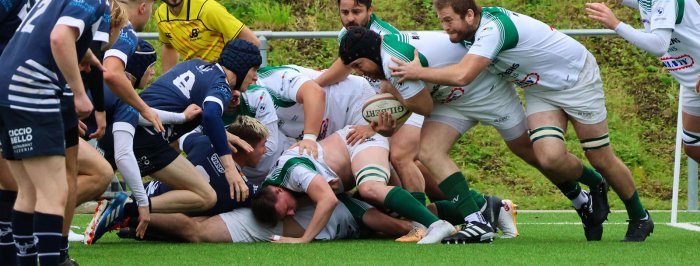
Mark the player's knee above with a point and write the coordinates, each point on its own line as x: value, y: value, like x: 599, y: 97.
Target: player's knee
x: 371, y: 179
x: 429, y: 156
x: 208, y: 199
x: 691, y: 143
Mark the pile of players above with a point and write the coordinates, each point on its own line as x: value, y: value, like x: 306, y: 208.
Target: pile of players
x: 282, y: 153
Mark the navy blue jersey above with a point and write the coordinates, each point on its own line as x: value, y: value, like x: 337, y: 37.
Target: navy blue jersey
x: 11, y: 14
x: 125, y: 46
x: 192, y: 82
x: 30, y: 79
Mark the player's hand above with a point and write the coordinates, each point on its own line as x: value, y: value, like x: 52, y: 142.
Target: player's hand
x: 144, y: 220
x: 359, y: 133
x: 697, y: 85
x: 191, y: 112
x: 101, y: 120
x: 82, y: 128
x: 89, y: 59
x: 306, y: 146
x: 385, y: 124
x: 83, y: 105
x: 603, y: 14
x: 407, y: 71
x: 287, y: 240
x: 237, y: 186
x: 234, y: 141
x: 153, y: 117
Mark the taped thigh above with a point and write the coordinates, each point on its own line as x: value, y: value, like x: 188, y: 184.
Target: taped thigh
x: 595, y: 143
x: 372, y: 172
x: 546, y: 132
x: 690, y: 138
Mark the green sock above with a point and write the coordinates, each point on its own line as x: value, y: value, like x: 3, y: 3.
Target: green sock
x: 447, y: 211
x: 570, y: 189
x: 400, y: 201
x: 590, y: 177
x: 635, y: 209
x: 419, y: 196
x: 457, y: 188
x: 478, y: 198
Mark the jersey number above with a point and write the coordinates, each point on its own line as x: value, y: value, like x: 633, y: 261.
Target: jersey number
x: 185, y: 82
x: 39, y: 9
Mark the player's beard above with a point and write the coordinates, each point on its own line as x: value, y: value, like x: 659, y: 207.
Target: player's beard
x: 457, y: 36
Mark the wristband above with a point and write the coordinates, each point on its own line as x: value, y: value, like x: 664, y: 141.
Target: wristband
x: 311, y: 137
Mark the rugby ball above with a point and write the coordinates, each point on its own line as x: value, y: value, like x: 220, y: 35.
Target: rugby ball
x: 384, y: 102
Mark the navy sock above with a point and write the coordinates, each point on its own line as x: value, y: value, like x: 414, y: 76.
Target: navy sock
x: 47, y: 230
x: 23, y: 230
x: 8, y: 253
x: 63, y: 249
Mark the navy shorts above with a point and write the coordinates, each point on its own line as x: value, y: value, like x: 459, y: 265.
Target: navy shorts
x: 30, y: 134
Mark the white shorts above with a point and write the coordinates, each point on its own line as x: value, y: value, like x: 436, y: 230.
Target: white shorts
x: 244, y: 228
x: 374, y: 141
x: 500, y: 108
x: 585, y: 101
x: 415, y: 120
x: 691, y: 101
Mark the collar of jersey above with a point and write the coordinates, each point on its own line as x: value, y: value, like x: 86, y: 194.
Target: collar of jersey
x: 222, y: 70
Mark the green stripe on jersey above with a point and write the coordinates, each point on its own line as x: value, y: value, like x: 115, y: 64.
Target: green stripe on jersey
x: 382, y: 26
x: 393, y: 45
x: 645, y: 5
x: 506, y: 27
x: 278, y: 101
x: 280, y: 176
x: 680, y: 10
x: 268, y: 70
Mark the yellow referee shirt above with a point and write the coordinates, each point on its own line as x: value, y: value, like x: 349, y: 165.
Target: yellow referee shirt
x: 199, y: 31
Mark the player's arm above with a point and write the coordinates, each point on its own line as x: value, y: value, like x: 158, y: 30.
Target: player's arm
x: 212, y: 110
x: 169, y: 57
x: 460, y: 74
x: 336, y: 73
x: 313, y: 98
x: 63, y: 49
x: 322, y: 195
x: 656, y: 42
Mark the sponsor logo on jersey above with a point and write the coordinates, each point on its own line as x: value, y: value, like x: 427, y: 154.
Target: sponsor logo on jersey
x: 485, y: 29
x: 167, y: 35
x: 531, y: 79
x: 508, y: 71
x: 216, y: 163
x: 194, y: 34
x: 675, y: 41
x: 660, y: 10
x: 678, y: 62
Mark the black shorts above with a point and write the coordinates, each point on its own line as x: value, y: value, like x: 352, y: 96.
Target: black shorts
x: 70, y: 120
x: 30, y: 134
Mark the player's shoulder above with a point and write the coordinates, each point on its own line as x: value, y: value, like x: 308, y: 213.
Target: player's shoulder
x: 398, y: 46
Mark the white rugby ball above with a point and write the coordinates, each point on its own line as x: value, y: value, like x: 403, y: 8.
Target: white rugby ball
x: 384, y: 102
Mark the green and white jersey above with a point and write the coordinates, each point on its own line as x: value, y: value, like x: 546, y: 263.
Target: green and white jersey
x: 343, y: 100
x: 683, y: 18
x: 526, y: 51
x: 435, y: 50
x: 295, y: 172
x: 255, y: 102
x: 375, y: 24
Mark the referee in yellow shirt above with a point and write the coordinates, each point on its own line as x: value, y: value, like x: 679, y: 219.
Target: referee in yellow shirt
x: 197, y: 29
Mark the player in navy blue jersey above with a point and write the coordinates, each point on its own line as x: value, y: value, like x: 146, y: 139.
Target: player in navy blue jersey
x: 58, y: 34
x: 208, y: 85
x: 202, y: 155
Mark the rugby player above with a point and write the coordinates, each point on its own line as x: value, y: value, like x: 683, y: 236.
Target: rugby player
x: 30, y: 116
x: 339, y: 167
x: 562, y: 84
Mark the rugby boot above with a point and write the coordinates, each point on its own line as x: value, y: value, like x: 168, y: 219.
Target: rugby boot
x: 505, y: 220
x: 472, y: 232
x: 639, y: 230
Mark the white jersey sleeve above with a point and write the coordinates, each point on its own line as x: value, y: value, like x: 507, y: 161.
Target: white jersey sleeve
x: 284, y: 82
x: 393, y: 47
x: 663, y: 14
x: 493, y: 37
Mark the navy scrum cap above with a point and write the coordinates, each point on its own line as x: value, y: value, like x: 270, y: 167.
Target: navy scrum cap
x: 239, y: 56
x: 144, y: 57
x: 359, y: 42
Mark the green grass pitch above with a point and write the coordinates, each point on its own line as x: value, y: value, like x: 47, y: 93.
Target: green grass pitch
x: 545, y: 239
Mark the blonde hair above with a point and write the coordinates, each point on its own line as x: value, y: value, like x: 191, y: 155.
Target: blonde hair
x: 119, y: 17
x: 249, y: 129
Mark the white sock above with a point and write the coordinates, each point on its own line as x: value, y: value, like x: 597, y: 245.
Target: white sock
x: 475, y: 217
x: 580, y: 200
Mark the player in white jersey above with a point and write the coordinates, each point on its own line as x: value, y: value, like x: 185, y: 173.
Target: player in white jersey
x: 290, y: 89
x: 562, y: 83
x: 671, y: 33
x: 339, y: 167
